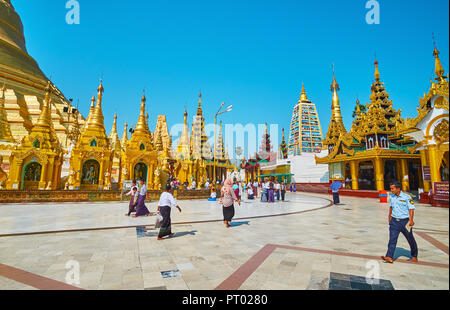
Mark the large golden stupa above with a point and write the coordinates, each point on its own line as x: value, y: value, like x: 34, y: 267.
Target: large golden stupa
x: 23, y: 89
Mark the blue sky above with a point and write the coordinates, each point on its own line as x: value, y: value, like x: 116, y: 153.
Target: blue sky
x: 252, y: 54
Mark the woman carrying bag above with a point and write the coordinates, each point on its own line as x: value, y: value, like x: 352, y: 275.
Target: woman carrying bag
x: 228, y: 197
x: 166, y: 203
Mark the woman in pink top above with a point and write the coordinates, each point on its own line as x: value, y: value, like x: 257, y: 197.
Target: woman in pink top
x: 227, y: 199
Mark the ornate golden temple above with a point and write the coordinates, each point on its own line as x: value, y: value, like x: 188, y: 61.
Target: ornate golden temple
x: 39, y: 130
x: 382, y: 147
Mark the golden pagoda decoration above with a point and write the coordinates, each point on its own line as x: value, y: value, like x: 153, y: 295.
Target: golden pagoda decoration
x: 91, y: 158
x: 336, y: 127
x: 200, y: 148
x: 25, y: 83
x: 430, y: 128
x: 116, y: 148
x: 373, y: 153
x: 194, y: 156
x: 36, y: 163
x: 183, y: 153
x: 139, y: 155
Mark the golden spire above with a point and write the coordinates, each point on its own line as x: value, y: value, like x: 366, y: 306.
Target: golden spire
x: 439, y: 70
x: 114, y: 140
x: 114, y: 126
x: 199, y: 110
x: 97, y: 120
x: 141, y: 125
x: 283, y: 135
x: 358, y: 108
x: 336, y: 109
x: 45, y: 118
x: 334, y: 84
x: 377, y: 73
x: 124, y: 135
x: 183, y: 148
x: 303, y: 97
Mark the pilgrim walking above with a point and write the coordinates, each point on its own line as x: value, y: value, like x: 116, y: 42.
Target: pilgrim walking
x: 141, y: 209
x: 165, y: 205
x: 228, y: 197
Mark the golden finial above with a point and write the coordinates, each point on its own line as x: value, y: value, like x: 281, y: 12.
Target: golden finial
x: 144, y: 99
x: 303, y: 97
x: 199, y: 110
x: 283, y: 134
x: 439, y: 70
x: 377, y: 73
x: 142, y: 122
x: 334, y: 84
x: 125, y: 134
x: 100, y: 88
x: 358, y: 108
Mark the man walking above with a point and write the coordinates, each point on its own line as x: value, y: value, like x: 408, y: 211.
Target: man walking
x: 401, y: 219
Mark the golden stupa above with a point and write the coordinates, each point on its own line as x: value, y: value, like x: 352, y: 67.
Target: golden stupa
x: 24, y: 89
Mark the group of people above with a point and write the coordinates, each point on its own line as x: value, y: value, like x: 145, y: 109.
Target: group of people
x: 401, y: 211
x: 272, y: 189
x: 138, y: 195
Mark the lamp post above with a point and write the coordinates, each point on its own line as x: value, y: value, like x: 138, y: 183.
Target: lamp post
x: 230, y: 108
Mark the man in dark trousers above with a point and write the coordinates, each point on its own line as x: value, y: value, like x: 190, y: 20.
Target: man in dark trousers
x: 401, y: 220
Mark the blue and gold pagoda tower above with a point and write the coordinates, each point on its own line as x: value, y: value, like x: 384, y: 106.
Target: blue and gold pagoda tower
x: 305, y: 133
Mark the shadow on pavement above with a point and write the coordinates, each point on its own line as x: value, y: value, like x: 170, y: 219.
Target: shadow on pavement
x: 234, y: 224
x: 401, y: 252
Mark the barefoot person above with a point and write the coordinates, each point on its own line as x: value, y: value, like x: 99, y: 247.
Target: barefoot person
x: 401, y: 215
x: 227, y: 199
x: 141, y: 209
x: 165, y: 205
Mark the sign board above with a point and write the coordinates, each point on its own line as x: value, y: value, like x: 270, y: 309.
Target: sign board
x: 426, y: 173
x: 441, y: 191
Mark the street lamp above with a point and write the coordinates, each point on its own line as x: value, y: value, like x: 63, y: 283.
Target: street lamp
x: 229, y: 109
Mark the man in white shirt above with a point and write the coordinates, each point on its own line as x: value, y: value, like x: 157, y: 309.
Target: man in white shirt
x: 255, y: 188
x: 166, y: 203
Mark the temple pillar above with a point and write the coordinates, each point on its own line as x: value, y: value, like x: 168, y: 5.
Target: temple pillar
x: 434, y: 164
x: 354, y: 174
x: 101, y: 174
x: 379, y: 174
x: 57, y: 175
x: 15, y: 173
x: 404, y: 174
x: 51, y: 172
x: 43, y: 182
x: 151, y: 176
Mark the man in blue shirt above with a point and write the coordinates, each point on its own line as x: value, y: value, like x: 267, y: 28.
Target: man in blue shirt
x: 401, y: 213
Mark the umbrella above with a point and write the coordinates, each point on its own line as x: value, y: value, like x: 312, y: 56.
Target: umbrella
x: 336, y: 185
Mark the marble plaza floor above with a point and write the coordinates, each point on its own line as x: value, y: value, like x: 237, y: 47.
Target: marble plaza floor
x: 304, y: 243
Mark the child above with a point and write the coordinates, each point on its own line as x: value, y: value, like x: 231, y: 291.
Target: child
x: 213, y: 195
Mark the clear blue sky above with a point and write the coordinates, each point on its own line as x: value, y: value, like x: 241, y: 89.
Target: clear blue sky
x: 252, y: 54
